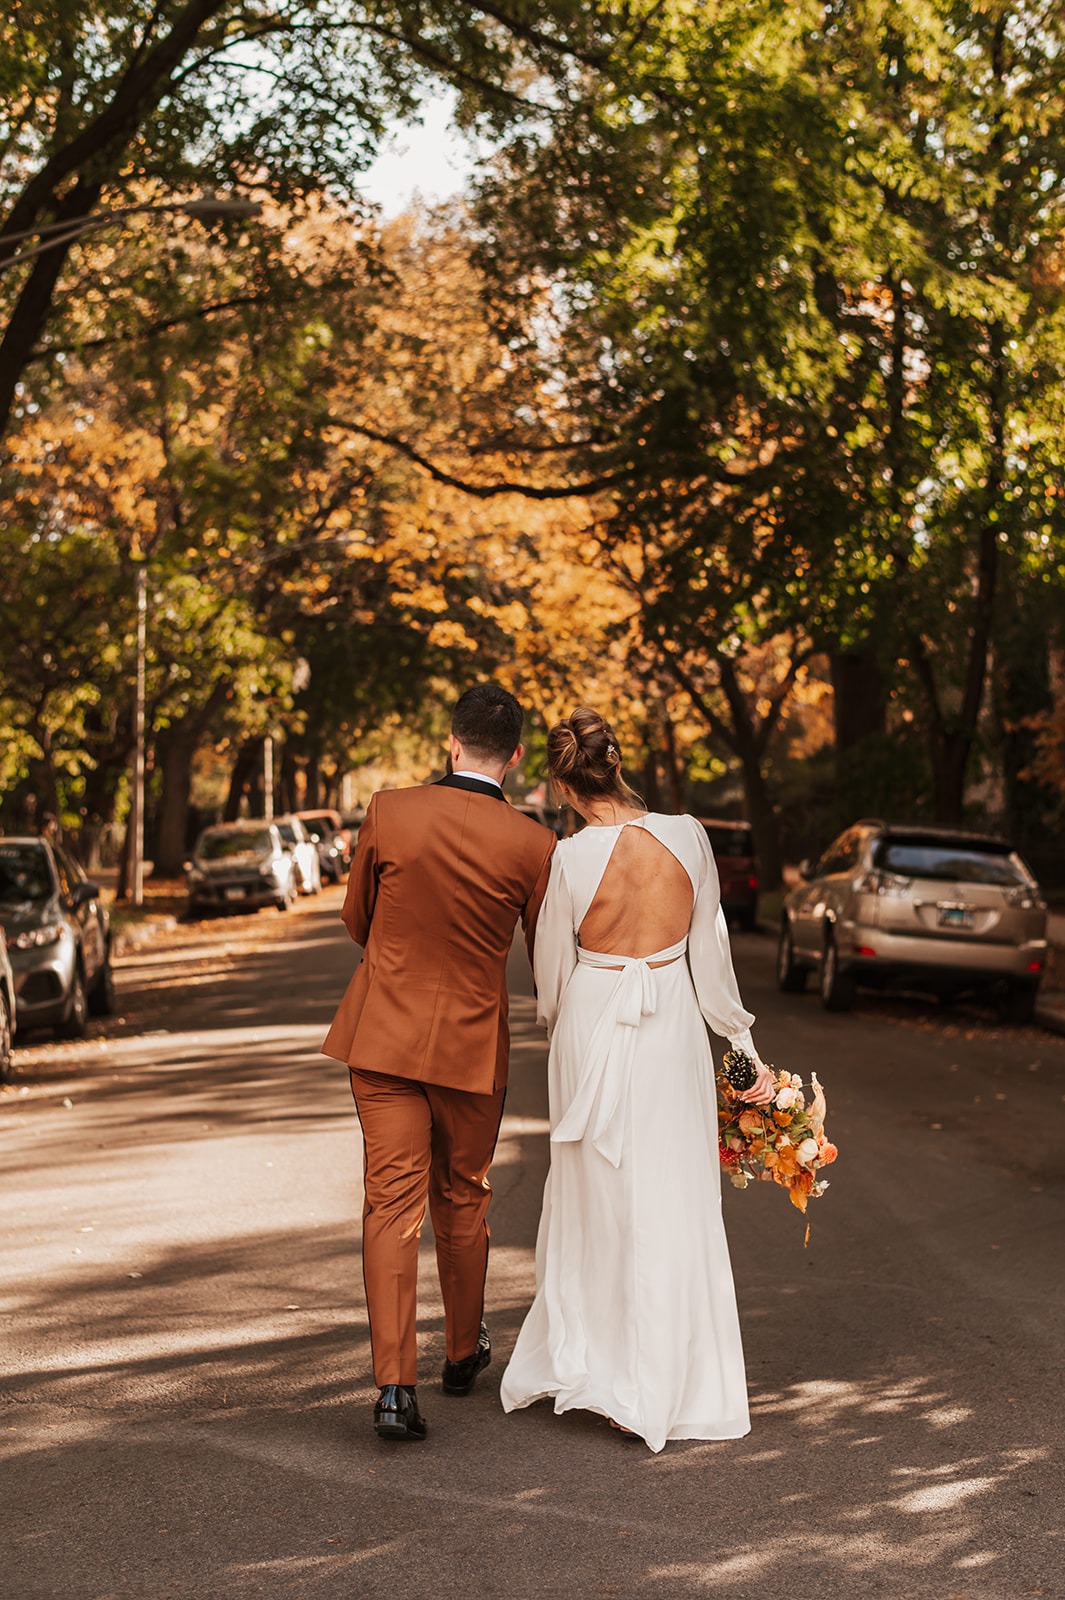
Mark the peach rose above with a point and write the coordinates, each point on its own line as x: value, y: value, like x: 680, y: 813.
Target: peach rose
x: 827, y: 1152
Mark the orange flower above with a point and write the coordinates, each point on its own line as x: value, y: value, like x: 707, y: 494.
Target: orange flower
x: 827, y: 1153
x: 751, y: 1123
x: 783, y: 1118
x: 787, y: 1160
x: 799, y: 1189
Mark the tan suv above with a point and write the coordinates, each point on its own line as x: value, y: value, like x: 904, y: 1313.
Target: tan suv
x: 932, y: 909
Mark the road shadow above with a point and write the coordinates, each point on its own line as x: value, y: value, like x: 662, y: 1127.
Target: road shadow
x: 189, y: 1410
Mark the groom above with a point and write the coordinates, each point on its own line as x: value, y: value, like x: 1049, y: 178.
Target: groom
x: 440, y: 877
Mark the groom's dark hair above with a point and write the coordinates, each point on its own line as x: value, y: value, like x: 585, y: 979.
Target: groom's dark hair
x: 488, y: 721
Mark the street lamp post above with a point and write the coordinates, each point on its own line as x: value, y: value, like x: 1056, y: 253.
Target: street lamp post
x: 136, y: 813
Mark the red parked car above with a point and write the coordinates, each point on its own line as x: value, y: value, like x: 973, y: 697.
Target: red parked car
x: 733, y: 847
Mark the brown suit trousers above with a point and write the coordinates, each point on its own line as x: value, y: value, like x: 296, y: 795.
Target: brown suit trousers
x: 440, y: 879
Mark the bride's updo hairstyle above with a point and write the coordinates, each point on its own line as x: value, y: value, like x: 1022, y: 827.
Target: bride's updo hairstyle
x: 583, y: 753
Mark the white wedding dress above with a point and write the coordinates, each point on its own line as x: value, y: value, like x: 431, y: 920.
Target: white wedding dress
x: 635, y: 1311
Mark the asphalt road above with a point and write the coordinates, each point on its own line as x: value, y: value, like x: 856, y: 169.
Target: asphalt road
x: 186, y: 1376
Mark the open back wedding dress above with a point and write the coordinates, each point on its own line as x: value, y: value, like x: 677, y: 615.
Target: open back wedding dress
x: 635, y: 1311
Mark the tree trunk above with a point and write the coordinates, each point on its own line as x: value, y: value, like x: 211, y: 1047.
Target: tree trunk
x: 247, y: 780
x: 175, y: 750
x: 1021, y: 690
x: 859, y: 696
x: 748, y: 740
x: 674, y: 767
x: 651, y: 793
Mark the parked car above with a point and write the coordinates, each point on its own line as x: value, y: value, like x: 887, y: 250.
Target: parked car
x: 304, y: 852
x: 58, y: 937
x: 7, y: 1010
x: 240, y: 865
x: 933, y: 909
x: 546, y: 816
x: 352, y: 821
x: 733, y: 847
x: 331, y: 839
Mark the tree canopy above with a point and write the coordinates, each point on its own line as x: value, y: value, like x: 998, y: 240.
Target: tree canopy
x: 734, y: 393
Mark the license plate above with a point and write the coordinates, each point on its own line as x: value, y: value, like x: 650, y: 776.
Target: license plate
x: 955, y: 917
x: 235, y: 894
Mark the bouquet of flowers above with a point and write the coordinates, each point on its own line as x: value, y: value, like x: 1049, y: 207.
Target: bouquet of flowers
x: 783, y: 1142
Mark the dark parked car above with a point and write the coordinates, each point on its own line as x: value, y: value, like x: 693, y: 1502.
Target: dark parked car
x: 733, y: 847
x: 933, y: 909
x: 240, y: 866
x: 332, y: 840
x: 7, y: 1010
x: 58, y: 937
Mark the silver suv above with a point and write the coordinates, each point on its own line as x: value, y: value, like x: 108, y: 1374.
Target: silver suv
x: 932, y: 909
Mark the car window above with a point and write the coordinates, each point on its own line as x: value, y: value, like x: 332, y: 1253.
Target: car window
x: 726, y: 842
x: 70, y: 873
x: 66, y: 879
x: 287, y: 832
x: 951, y: 863
x: 831, y: 861
x: 24, y: 874
x: 234, y: 842
x: 319, y: 824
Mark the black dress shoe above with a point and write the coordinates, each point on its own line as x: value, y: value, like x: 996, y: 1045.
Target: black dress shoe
x: 396, y: 1414
x: 459, y: 1376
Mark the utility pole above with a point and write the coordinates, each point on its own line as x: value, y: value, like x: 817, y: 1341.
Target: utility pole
x: 268, y: 778
x: 136, y: 812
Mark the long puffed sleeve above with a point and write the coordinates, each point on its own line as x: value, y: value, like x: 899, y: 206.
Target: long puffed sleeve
x: 555, y: 954
x: 711, y: 958
x: 361, y: 897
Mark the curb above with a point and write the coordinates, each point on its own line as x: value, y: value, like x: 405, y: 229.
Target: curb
x: 142, y: 933
x: 1051, y: 1017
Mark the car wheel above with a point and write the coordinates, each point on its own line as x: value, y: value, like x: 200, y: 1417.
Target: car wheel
x: 73, y: 1024
x: 5, y: 1039
x: 102, y: 993
x: 791, y: 978
x: 1020, y: 1003
x: 837, y: 988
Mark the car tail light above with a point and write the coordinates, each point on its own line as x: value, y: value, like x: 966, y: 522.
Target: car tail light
x: 864, y: 950
x: 875, y: 882
x: 752, y: 883
x: 1035, y: 966
x: 1024, y: 898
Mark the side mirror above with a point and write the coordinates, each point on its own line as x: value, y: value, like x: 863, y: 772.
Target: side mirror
x: 83, y: 893
x: 806, y: 869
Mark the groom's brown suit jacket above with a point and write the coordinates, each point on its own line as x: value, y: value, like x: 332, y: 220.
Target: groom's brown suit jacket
x: 440, y: 878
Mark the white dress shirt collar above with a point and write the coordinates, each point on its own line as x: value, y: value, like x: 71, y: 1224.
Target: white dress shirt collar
x: 483, y: 776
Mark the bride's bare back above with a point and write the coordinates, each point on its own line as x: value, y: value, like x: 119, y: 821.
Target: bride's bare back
x: 643, y: 902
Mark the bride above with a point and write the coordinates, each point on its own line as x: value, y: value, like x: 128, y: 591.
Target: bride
x: 635, y: 1310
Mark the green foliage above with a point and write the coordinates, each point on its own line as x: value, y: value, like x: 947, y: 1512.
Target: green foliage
x: 809, y: 284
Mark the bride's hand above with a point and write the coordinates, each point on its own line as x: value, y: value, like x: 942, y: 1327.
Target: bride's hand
x: 762, y: 1089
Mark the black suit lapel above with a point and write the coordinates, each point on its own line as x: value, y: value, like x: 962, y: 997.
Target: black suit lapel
x: 474, y: 785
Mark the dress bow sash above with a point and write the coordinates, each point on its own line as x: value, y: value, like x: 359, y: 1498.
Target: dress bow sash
x: 599, y: 1102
